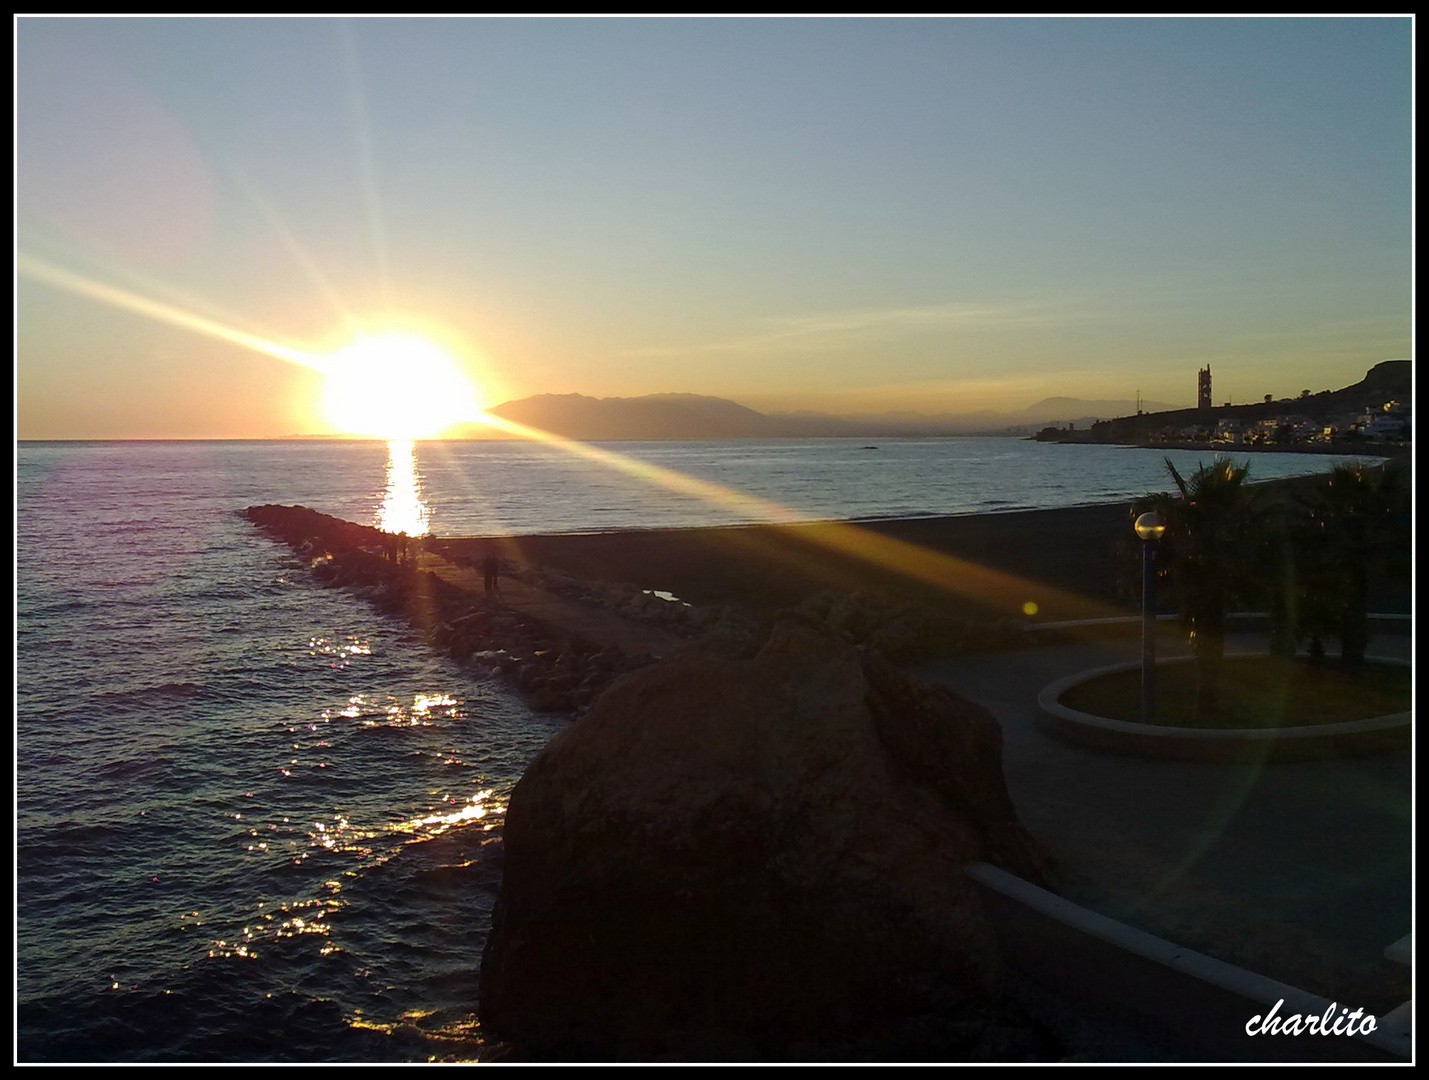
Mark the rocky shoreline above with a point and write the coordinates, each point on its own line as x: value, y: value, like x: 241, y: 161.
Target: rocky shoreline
x: 579, y: 610
x: 591, y: 632
x: 557, y: 672
x: 795, y: 796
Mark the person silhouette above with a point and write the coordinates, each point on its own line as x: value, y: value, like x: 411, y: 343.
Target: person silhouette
x: 490, y: 568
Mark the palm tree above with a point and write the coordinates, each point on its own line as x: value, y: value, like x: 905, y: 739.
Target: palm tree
x: 1356, y: 526
x: 1279, y: 570
x: 1215, y: 531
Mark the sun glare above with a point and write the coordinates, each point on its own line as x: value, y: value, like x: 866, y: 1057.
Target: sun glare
x: 396, y: 386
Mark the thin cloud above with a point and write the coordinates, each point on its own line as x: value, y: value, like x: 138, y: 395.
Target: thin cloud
x: 802, y: 332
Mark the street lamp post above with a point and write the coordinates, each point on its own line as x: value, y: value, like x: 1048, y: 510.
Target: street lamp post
x: 1149, y: 527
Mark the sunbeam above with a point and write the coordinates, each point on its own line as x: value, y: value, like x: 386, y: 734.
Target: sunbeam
x: 39, y: 270
x: 400, y: 386
x: 367, y: 169
x: 946, y: 573
x: 298, y: 253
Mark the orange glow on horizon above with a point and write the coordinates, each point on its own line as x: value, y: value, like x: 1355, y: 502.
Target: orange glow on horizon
x: 402, y: 386
x: 946, y: 573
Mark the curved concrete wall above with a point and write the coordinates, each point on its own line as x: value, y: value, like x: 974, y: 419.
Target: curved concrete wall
x: 1148, y: 740
x: 1191, y: 1003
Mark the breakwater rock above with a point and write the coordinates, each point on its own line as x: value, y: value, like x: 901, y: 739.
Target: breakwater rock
x: 906, y: 632
x: 559, y: 671
x: 758, y: 856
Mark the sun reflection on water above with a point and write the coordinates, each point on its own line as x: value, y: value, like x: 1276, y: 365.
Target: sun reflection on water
x: 403, y: 510
x: 283, y: 920
x: 476, y: 808
x: 340, y: 835
x: 373, y: 713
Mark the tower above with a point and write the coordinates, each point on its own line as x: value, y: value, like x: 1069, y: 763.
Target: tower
x: 1203, y: 388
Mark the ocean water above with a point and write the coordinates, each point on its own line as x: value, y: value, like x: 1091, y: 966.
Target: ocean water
x: 257, y: 822
x: 489, y: 488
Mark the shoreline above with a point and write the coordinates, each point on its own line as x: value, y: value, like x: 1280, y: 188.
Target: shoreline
x: 581, y: 607
x: 1073, y: 562
x: 986, y: 564
x: 1386, y: 451
x: 1395, y: 451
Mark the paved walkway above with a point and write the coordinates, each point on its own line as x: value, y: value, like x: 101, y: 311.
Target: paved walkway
x: 1300, y: 871
x: 558, y: 614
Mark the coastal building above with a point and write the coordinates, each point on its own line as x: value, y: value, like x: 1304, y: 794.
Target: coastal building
x: 1283, y: 429
x: 1203, y: 388
x: 1382, y: 426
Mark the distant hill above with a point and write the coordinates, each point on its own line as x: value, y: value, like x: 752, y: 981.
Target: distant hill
x: 655, y: 416
x: 1054, y: 406
x: 1391, y: 380
x: 1080, y: 411
x: 697, y: 416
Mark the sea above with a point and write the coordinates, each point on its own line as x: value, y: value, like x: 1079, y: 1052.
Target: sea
x: 255, y: 821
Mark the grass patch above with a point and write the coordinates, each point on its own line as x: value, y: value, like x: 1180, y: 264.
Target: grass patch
x: 1256, y: 692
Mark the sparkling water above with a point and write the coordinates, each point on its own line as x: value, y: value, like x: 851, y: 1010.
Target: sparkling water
x: 255, y: 821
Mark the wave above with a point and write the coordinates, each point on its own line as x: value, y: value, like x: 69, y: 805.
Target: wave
x: 37, y: 847
x: 130, y: 699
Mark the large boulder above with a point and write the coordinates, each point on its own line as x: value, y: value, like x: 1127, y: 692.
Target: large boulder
x: 729, y: 856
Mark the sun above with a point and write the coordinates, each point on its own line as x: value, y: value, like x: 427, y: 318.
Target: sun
x: 396, y: 386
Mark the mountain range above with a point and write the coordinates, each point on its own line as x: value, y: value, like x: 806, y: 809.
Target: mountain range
x: 697, y: 416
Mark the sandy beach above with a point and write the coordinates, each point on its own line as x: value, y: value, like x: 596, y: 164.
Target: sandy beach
x: 1071, y: 563
x: 1065, y: 561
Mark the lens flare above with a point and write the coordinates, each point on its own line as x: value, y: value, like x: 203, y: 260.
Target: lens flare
x: 396, y: 386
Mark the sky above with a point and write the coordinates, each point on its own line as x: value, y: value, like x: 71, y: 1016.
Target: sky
x: 848, y: 215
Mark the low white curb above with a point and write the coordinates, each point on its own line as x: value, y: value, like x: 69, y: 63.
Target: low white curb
x: 1202, y: 743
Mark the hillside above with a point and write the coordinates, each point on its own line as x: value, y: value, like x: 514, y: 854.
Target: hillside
x: 657, y: 416
x: 697, y: 416
x: 1391, y: 380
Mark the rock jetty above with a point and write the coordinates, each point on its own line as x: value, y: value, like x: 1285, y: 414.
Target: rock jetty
x: 560, y: 638
x: 751, y: 850
x: 559, y: 668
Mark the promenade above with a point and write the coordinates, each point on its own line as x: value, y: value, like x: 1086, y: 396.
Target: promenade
x: 563, y: 618
x: 1300, y: 870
